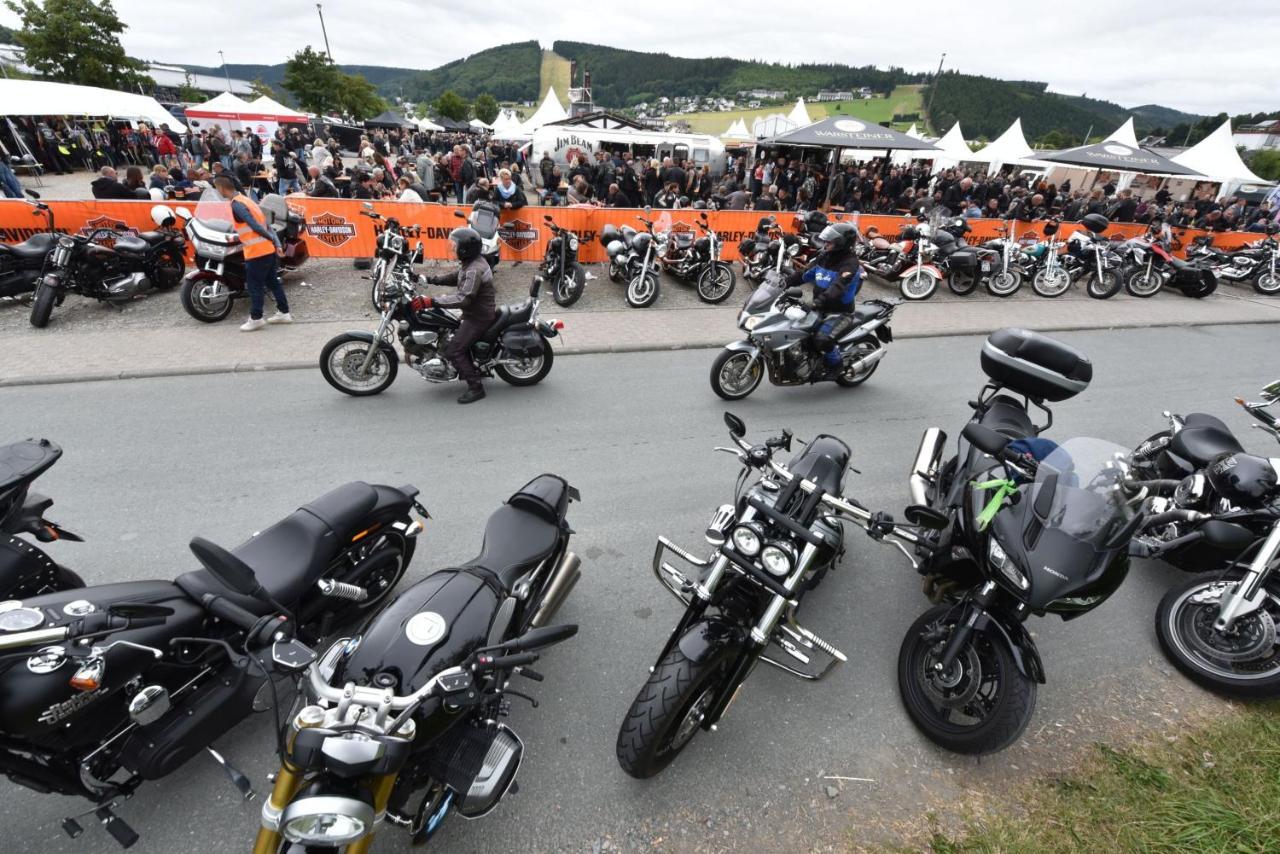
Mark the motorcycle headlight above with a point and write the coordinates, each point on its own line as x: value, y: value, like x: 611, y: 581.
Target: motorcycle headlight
x: 793, y: 249
x: 215, y: 251
x: 752, y: 322
x: 747, y: 540
x: 326, y: 820
x: 573, y: 243
x: 777, y: 559
x: 1190, y: 491
x: 1001, y: 562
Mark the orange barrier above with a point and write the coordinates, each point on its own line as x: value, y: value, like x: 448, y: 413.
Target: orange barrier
x: 335, y: 229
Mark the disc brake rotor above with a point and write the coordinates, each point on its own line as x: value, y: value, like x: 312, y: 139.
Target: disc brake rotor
x: 955, y: 687
x: 1252, y: 637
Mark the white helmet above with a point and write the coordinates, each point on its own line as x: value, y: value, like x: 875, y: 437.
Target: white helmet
x: 162, y: 215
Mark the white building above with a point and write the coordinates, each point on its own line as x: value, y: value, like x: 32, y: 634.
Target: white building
x: 1258, y: 137
x: 833, y: 95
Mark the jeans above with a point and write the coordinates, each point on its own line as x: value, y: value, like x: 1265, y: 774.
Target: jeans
x: 9, y: 182
x: 260, y: 274
x: 287, y: 184
x: 460, y: 191
x: 226, y: 162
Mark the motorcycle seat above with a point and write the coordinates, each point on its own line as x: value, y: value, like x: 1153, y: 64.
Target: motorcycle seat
x: 152, y: 237
x: 516, y: 539
x: 868, y: 311
x: 35, y: 246
x: 128, y: 245
x: 1007, y: 417
x: 1203, y: 440
x: 22, y: 462
x: 507, y: 316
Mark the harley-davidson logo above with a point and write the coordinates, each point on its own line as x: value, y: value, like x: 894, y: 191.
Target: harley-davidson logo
x: 518, y: 234
x: 104, y: 230
x: 331, y: 229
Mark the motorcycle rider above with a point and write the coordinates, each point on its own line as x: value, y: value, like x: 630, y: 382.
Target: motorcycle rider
x: 475, y: 296
x: 836, y: 275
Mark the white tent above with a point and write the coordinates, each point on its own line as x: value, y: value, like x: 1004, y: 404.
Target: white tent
x: 550, y: 110
x: 772, y: 125
x: 271, y: 107
x: 902, y: 158
x: 737, y: 130
x: 955, y: 149
x: 799, y: 116
x: 428, y: 125
x: 477, y: 123
x: 42, y: 98
x: 1008, y: 149
x: 1124, y: 134
x: 1216, y: 157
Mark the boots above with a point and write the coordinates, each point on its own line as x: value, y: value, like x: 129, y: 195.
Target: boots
x: 472, y: 394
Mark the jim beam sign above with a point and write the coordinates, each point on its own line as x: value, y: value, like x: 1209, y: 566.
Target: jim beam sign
x: 330, y: 229
x: 570, y: 146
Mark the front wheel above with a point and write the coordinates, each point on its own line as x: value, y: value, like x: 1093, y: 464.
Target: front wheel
x: 342, y: 360
x: 1141, y: 283
x: 981, y: 705
x: 642, y: 290
x: 1104, y: 285
x: 666, y: 714
x: 529, y: 370
x: 569, y: 286
x: 1267, y: 283
x: 207, y: 300
x: 734, y: 374
x: 919, y: 285
x: 716, y: 283
x: 1244, y: 662
x: 1004, y: 283
x: 1051, y: 284
x: 42, y: 305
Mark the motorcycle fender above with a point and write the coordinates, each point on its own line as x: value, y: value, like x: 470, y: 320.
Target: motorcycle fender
x: 708, y: 638
x: 927, y: 269
x: 201, y: 275
x: 743, y: 346
x: 1015, y: 636
x: 368, y: 336
x: 885, y: 334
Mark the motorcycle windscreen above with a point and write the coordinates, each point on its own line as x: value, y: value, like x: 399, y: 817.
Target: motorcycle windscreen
x: 214, y: 212
x: 768, y: 291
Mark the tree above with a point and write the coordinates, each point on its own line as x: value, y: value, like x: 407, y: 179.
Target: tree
x: 188, y: 93
x: 1266, y: 164
x: 76, y: 41
x: 313, y: 80
x: 1058, y: 139
x: 485, y: 108
x: 259, y: 88
x: 451, y: 105
x: 358, y: 98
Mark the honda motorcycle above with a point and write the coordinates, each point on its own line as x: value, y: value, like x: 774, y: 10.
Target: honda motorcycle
x: 210, y: 290
x: 516, y: 347
x: 393, y: 259
x: 402, y: 721
x: 111, y: 267
x: 697, y: 259
x: 1258, y: 263
x: 1148, y: 265
x: 779, y: 329
x: 25, y: 569
x: 918, y: 277
x: 21, y: 264
x: 107, y: 687
x: 776, y: 542
x: 560, y: 265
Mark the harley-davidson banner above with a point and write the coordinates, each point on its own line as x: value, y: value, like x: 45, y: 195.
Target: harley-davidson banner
x: 333, y: 228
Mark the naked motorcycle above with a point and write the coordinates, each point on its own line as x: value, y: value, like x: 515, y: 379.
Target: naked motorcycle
x: 697, y: 259
x: 560, y: 265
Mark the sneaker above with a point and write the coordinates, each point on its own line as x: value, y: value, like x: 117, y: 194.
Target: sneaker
x: 252, y: 325
x: 280, y: 317
x: 472, y: 394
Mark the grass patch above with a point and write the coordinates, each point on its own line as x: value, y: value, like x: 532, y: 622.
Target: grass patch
x: 1213, y: 790
x: 902, y: 100
x: 554, y: 72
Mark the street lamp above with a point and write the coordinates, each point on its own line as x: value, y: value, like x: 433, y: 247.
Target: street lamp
x: 320, y: 12
x: 225, y: 71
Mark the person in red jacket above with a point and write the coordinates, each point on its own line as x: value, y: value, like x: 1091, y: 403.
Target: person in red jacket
x: 165, y: 148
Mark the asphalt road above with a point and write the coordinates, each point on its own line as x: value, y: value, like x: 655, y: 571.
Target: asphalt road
x: 150, y: 463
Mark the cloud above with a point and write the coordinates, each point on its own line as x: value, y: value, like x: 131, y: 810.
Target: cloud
x: 1202, y: 57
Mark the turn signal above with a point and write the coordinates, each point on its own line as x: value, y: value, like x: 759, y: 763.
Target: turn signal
x: 559, y: 324
x: 89, y: 676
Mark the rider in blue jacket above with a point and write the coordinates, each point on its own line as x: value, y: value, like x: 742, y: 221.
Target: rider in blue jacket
x: 836, y: 275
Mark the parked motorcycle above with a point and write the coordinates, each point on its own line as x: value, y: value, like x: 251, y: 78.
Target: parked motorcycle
x: 402, y: 719
x: 641, y: 265
x: 753, y: 251
x: 779, y: 329
x: 776, y: 542
x: 21, y: 264
x: 25, y: 569
x: 484, y: 219
x: 963, y: 266
x: 210, y: 290
x: 126, y: 269
x: 517, y: 347
x: 918, y: 277
x: 1049, y: 278
x: 560, y: 265
x: 1093, y: 258
x: 1011, y: 270
x: 1148, y: 265
x: 1257, y: 263
x: 697, y: 259
x: 617, y: 243
x: 109, y: 686
x: 393, y: 259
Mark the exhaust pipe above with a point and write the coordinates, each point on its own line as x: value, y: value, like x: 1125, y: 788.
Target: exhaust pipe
x: 563, y: 579
x: 925, y: 467
x: 869, y: 359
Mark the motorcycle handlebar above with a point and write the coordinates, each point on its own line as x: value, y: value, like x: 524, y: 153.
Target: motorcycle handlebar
x: 224, y: 609
x: 506, y: 662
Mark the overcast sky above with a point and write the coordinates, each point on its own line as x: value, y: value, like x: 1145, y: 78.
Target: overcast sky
x: 1204, y: 57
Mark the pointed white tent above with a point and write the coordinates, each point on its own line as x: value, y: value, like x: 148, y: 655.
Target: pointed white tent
x: 506, y: 123
x: 1010, y: 148
x: 737, y: 130
x: 799, y: 116
x: 271, y: 107
x: 955, y: 149
x: 477, y: 123
x: 550, y: 110
x: 428, y: 125
x: 1216, y: 157
x: 1124, y: 134
x: 901, y: 158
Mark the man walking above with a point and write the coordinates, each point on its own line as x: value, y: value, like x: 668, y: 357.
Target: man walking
x: 261, y: 256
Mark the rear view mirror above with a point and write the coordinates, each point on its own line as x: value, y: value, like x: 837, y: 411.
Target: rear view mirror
x: 737, y: 427
x: 539, y: 638
x: 32, y: 193
x: 459, y: 214
x: 985, y: 439
x: 547, y: 217
x: 367, y: 206
x: 1271, y: 391
x: 231, y: 571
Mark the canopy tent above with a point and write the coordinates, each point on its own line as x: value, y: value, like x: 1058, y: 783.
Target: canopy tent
x: 1216, y: 157
x: 42, y: 98
x: 451, y: 125
x: 1125, y: 134
x: 428, y: 125
x: 737, y: 130
x: 270, y: 107
x: 226, y: 106
x: 550, y: 110
x: 955, y: 150
x: 1008, y: 149
x: 844, y: 132
x: 480, y: 125
x: 771, y: 125
x: 388, y: 119
x: 1118, y: 157
x: 902, y: 158
x: 799, y: 116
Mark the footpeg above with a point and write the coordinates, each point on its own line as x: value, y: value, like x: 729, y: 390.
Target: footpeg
x: 124, y: 835
x: 793, y: 639
x: 237, y: 777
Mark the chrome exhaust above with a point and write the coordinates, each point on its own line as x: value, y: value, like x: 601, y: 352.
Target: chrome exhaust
x: 561, y: 583
x: 869, y: 359
x: 925, y: 467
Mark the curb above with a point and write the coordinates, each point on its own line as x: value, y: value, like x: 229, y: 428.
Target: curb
x: 293, y: 365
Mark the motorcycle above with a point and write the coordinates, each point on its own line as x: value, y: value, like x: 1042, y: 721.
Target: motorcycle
x: 754, y: 251
x: 779, y: 327
x: 1259, y: 262
x: 1093, y: 258
x: 210, y: 290
x: 516, y: 347
x: 697, y: 260
x: 124, y: 270
x: 641, y: 264
x: 617, y: 245
x: 1148, y: 265
x: 408, y: 709
x: 392, y: 259
x: 21, y: 264
x: 776, y: 542
x: 25, y: 569
x: 560, y: 265
x: 485, y: 219
x: 918, y: 277
x: 107, y: 687
x: 1049, y: 278
x: 1011, y: 269
x: 963, y: 266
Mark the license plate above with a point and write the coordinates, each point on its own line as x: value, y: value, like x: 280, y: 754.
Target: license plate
x: 986, y: 266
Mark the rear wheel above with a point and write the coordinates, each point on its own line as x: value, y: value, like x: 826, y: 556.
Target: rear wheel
x: 167, y: 270
x: 568, y: 288
x: 642, y: 291
x: 1104, y: 285
x: 527, y: 371
x: 850, y: 376
x: 207, y: 300
x: 1267, y: 283
x: 962, y: 284
x: 1141, y: 283
x: 716, y: 282
x: 1004, y: 283
x: 733, y: 376
x: 42, y: 305
x: 1051, y: 284
x: 382, y: 560
x: 343, y: 357
x: 667, y: 712
x: 919, y: 285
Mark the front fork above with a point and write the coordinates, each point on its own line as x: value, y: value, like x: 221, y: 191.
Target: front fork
x: 1247, y: 595
x: 288, y: 781
x: 377, y: 343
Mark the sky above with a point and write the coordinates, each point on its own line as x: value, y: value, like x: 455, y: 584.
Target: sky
x: 1203, y: 57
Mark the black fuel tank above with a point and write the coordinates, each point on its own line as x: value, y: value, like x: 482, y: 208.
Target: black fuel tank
x: 1243, y: 479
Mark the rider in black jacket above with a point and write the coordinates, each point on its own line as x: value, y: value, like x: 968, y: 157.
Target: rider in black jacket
x: 476, y: 297
x: 836, y: 275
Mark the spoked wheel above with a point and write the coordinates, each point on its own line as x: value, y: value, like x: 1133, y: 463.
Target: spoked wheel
x: 1140, y: 283
x: 850, y: 376
x: 981, y: 705
x: 919, y: 285
x: 167, y: 271
x: 1103, y: 286
x: 668, y: 712
x: 569, y: 286
x: 1242, y: 662
x: 527, y: 371
x: 716, y: 283
x: 207, y: 300
x: 1004, y: 283
x: 1051, y: 283
x: 642, y: 291
x: 343, y: 357
x: 733, y: 377
x: 1267, y: 283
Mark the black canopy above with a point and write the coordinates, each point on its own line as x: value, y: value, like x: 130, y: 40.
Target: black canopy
x: 389, y: 119
x: 1117, y: 157
x: 450, y: 124
x: 845, y: 132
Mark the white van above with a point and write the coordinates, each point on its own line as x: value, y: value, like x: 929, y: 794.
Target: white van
x: 566, y: 142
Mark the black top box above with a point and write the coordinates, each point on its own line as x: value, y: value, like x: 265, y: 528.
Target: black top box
x: 1036, y: 365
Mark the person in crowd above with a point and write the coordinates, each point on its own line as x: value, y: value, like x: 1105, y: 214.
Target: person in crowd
x: 476, y: 298
x: 579, y: 192
x: 478, y: 193
x: 545, y: 167
x: 9, y: 183
x: 1125, y: 207
x: 320, y: 186
x: 668, y: 197
x: 407, y: 192
x: 616, y: 198
x: 135, y: 183
x: 508, y: 192
x: 262, y: 251
x: 286, y: 164
x: 160, y: 182
x: 107, y: 186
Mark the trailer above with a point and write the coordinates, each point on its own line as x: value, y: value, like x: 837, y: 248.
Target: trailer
x: 567, y: 142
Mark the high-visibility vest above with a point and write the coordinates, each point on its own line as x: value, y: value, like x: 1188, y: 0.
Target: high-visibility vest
x: 255, y: 245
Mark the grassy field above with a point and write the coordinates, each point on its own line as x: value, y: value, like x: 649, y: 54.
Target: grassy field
x: 555, y: 72
x: 1212, y: 790
x: 903, y: 99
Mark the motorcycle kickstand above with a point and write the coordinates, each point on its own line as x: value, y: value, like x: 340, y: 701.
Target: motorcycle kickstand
x: 237, y: 777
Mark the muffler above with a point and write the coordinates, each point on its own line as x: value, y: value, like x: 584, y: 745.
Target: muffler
x: 563, y: 578
x: 869, y: 359
x: 925, y: 467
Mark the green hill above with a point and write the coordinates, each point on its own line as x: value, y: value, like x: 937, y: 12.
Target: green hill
x: 508, y: 72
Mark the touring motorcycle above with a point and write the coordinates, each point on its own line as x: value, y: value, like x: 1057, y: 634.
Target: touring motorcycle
x: 25, y: 569
x: 779, y: 329
x: 22, y: 263
x: 1149, y: 265
x: 1258, y: 263
x: 402, y: 720
x: 393, y: 259
x: 103, y: 688
x: 516, y: 347
x: 560, y: 265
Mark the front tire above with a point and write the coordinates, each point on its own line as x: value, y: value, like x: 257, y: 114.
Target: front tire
x: 666, y: 714
x: 730, y: 377
x: 530, y: 371
x: 207, y: 300
x: 340, y: 362
x: 918, y: 286
x: 716, y: 283
x: 1244, y: 663
x: 1103, y: 287
x: 1051, y: 285
x: 1267, y: 283
x: 981, y: 706
x: 42, y: 305
x: 642, y: 291
x: 1004, y: 283
x: 568, y: 288
x: 1142, y: 284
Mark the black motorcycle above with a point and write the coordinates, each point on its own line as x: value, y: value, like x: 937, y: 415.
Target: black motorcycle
x: 516, y: 347
x: 109, y: 686
x: 560, y: 265
x: 22, y: 263
x: 1258, y: 263
x: 754, y: 251
x: 25, y: 569
x: 964, y: 266
x: 771, y: 546
x: 393, y: 259
x: 403, y: 718
x: 1094, y: 258
x: 617, y: 244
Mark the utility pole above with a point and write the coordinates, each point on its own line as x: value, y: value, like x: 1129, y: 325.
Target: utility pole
x: 225, y: 71
x: 324, y: 32
x: 933, y: 90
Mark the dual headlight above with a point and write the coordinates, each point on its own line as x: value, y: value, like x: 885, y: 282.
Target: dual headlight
x: 777, y: 558
x: 1005, y: 565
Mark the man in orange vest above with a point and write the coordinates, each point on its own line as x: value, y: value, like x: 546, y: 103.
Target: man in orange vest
x: 261, y: 253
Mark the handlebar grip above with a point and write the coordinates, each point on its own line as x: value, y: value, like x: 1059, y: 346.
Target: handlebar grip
x: 224, y: 609
x: 506, y: 662
x: 545, y: 636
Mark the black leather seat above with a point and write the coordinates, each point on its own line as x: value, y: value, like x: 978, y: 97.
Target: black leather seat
x: 24, y: 461
x: 130, y: 245
x: 151, y: 238
x: 515, y: 541
x: 35, y: 246
x: 1007, y: 417
x: 508, y: 315
x: 1202, y: 438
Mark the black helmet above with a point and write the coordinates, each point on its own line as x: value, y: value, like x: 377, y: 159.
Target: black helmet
x: 1271, y: 228
x: 837, y: 237
x: 1096, y: 222
x: 815, y: 221
x: 466, y: 243
x: 765, y: 223
x: 608, y: 234
x: 700, y: 205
